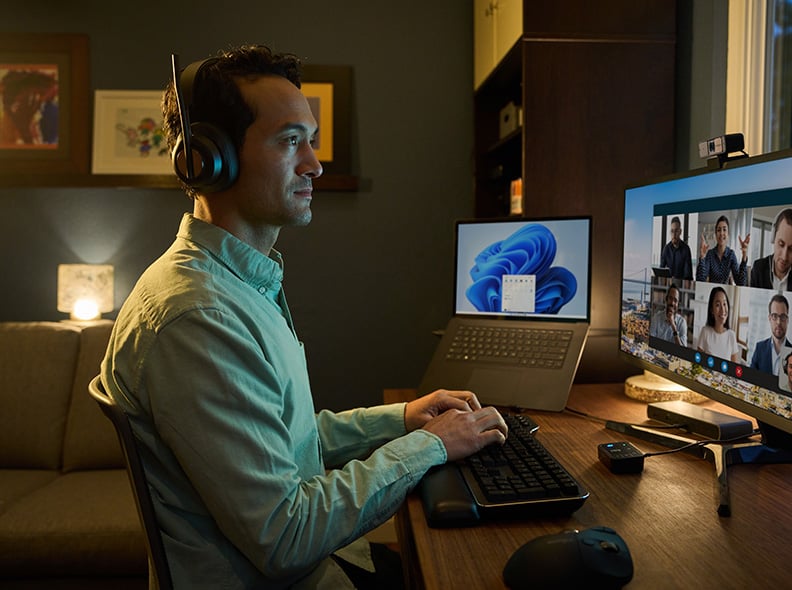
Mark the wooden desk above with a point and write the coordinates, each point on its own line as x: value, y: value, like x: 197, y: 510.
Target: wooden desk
x: 667, y: 514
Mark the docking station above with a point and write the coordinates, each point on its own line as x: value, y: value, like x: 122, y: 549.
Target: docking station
x: 709, y: 423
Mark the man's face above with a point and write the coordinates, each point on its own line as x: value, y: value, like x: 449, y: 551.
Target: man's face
x: 782, y: 249
x: 676, y: 232
x: 277, y: 162
x: 672, y: 300
x: 779, y: 319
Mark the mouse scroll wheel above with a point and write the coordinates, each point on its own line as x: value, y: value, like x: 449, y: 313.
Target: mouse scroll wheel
x: 609, y: 546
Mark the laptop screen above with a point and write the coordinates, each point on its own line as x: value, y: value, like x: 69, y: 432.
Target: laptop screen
x: 524, y: 268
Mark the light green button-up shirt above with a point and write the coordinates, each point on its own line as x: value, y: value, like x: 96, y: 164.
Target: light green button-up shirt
x: 251, y: 487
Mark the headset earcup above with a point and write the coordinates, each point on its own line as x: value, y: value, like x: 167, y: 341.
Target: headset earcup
x: 215, y: 162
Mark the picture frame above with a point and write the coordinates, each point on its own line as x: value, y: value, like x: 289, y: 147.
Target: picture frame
x: 127, y: 134
x: 329, y: 92
x: 44, y: 104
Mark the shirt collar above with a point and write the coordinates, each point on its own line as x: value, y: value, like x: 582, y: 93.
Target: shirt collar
x: 778, y: 284
x: 264, y: 273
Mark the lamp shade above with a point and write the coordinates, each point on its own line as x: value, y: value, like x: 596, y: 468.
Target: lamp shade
x: 85, y: 291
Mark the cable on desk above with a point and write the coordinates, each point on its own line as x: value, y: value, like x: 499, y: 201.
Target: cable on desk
x: 606, y: 421
x: 685, y: 447
x: 701, y: 443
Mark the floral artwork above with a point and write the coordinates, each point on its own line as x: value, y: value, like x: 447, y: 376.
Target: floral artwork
x: 145, y: 137
x: 128, y: 134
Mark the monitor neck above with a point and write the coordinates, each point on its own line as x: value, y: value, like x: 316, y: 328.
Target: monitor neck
x: 775, y: 438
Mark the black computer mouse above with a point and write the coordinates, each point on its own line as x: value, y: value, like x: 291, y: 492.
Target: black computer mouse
x: 593, y: 558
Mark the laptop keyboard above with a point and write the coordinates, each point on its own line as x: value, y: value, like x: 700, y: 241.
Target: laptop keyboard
x: 526, y: 347
x: 518, y: 479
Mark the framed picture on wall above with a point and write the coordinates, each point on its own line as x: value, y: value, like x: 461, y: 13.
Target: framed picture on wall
x: 329, y: 93
x: 320, y: 98
x: 127, y: 135
x: 44, y: 103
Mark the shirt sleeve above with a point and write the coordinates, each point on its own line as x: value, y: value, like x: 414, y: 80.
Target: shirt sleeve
x: 738, y: 269
x: 702, y: 268
x: 665, y: 258
x: 218, y: 405
x: 353, y: 434
x: 687, y: 272
x: 703, y: 339
x: 681, y: 328
x: 742, y: 274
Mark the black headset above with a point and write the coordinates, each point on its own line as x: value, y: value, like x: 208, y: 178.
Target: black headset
x: 213, y: 165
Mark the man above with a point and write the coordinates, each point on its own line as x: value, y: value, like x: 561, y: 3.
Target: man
x: 676, y: 253
x: 251, y: 488
x: 767, y: 353
x: 772, y: 271
x: 667, y: 323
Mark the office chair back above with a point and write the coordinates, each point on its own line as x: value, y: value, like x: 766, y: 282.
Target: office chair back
x: 159, y: 574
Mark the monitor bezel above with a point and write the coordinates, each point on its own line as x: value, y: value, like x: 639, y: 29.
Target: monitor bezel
x: 518, y: 219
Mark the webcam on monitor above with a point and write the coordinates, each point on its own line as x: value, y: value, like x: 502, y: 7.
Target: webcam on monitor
x: 718, y: 149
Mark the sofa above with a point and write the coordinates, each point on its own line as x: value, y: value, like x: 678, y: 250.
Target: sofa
x: 67, y: 514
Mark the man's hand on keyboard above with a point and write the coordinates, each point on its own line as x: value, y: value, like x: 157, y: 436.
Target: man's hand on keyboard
x: 419, y: 411
x: 465, y: 432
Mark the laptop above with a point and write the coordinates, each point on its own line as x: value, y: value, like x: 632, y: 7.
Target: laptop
x: 522, y: 310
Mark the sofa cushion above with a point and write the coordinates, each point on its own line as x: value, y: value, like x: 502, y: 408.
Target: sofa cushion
x: 15, y: 483
x: 37, y: 362
x: 82, y: 521
x: 91, y: 441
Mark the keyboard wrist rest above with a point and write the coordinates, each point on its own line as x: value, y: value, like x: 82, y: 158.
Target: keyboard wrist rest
x: 446, y: 499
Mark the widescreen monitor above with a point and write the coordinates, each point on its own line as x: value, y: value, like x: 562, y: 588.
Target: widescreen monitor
x: 706, y: 288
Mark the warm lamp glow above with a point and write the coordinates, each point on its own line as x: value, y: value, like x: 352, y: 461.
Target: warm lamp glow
x: 649, y: 387
x: 85, y: 291
x: 86, y: 309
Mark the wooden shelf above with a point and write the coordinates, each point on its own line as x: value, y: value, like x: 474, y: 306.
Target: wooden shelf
x: 330, y: 182
x: 506, y: 142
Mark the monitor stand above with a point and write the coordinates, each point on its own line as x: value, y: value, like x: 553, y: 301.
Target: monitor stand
x: 721, y: 454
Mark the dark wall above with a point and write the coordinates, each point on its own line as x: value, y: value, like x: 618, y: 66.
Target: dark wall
x: 369, y: 279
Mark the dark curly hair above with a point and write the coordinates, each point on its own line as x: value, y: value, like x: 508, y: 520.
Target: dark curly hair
x: 216, y: 97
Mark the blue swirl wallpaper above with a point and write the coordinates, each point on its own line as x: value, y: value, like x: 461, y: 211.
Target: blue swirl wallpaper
x: 553, y: 253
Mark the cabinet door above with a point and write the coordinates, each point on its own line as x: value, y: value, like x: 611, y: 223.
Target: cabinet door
x: 483, y: 40
x: 598, y: 117
x: 508, y: 25
x: 497, y: 24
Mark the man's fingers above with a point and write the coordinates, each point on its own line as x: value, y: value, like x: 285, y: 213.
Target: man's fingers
x: 490, y: 420
x: 493, y: 436
x: 468, y: 399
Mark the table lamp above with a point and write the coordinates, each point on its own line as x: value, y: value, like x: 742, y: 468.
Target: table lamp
x: 85, y: 291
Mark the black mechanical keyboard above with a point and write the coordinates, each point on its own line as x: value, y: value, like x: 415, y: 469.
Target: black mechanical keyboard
x: 520, y: 479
